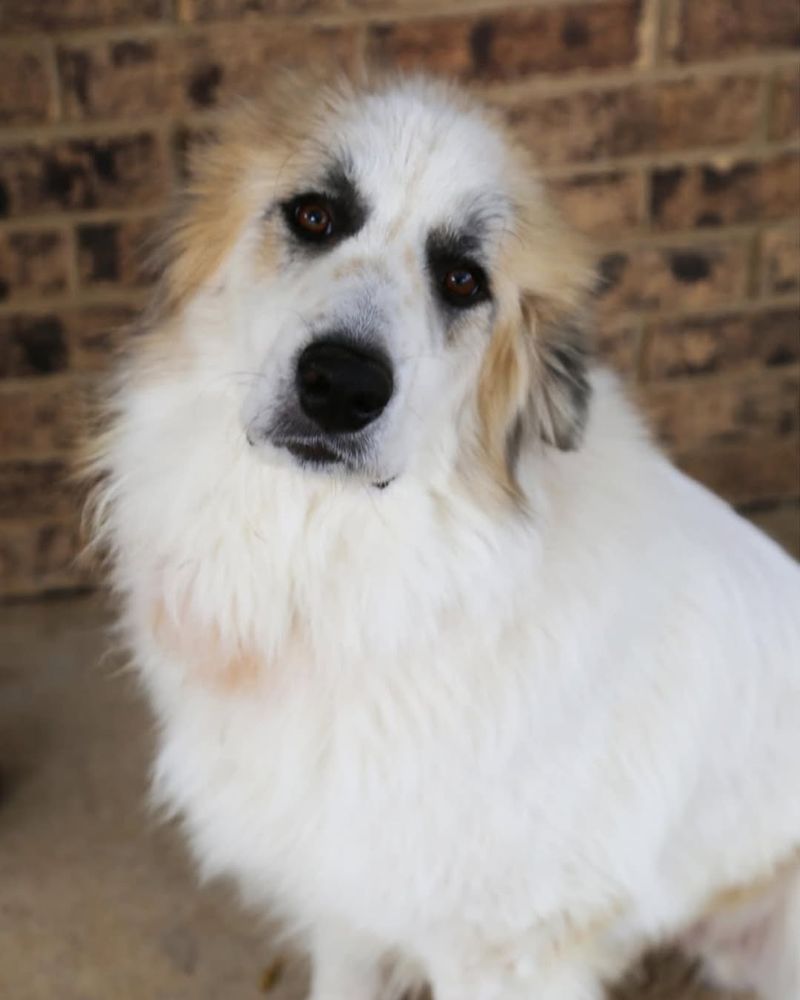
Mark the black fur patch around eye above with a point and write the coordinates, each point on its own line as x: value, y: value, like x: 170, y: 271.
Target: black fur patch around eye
x: 446, y: 250
x: 339, y: 185
x: 449, y: 244
x: 339, y: 192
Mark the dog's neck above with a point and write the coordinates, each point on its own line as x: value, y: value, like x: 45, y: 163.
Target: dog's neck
x: 273, y: 558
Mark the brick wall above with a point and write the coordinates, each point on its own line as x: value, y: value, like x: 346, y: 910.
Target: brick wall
x: 670, y: 130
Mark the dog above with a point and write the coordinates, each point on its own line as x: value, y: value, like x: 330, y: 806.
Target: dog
x: 451, y: 668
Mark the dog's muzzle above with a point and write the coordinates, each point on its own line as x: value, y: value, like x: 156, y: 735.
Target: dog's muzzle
x: 341, y: 387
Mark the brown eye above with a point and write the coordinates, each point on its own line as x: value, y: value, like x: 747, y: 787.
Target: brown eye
x: 313, y: 219
x: 461, y: 282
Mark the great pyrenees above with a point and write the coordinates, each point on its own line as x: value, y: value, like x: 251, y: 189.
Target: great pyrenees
x: 450, y: 665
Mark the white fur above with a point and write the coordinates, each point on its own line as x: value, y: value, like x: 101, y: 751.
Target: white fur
x: 507, y: 748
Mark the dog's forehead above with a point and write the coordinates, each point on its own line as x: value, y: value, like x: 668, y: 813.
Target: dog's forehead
x: 416, y: 149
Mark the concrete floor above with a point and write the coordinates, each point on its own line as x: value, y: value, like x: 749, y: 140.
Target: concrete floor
x: 97, y: 899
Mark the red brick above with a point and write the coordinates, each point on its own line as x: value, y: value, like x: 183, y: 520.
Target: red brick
x: 187, y: 140
x: 36, y: 488
x: 714, y: 195
x: 602, y: 204
x: 744, y: 473
x: 780, y: 260
x: 32, y: 345
x: 40, y: 556
x: 96, y: 335
x: 706, y: 344
x: 781, y: 522
x: 114, y: 253
x: 640, y: 118
x: 785, y: 115
x: 715, y: 29
x: 672, y: 277
x: 618, y: 345
x: 33, y: 263
x: 730, y: 409
x: 57, y: 15
x: 515, y: 43
x: 25, y: 91
x: 100, y: 172
x: 187, y: 72
x: 83, y: 339
x: 39, y: 419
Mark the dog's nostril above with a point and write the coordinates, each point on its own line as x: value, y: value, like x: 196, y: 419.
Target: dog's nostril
x: 315, y: 383
x: 367, y: 405
x: 341, y: 386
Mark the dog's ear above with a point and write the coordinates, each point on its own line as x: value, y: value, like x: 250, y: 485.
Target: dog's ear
x: 560, y: 393
x: 534, y: 384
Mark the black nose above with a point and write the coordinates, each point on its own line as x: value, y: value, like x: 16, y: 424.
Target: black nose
x: 342, y: 387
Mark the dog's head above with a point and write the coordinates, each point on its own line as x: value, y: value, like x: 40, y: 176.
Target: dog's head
x: 382, y: 271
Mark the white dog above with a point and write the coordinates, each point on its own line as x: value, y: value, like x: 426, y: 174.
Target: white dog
x: 450, y: 665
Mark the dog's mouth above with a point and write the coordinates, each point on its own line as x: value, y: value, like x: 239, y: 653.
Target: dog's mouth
x: 313, y: 453
x: 319, y: 455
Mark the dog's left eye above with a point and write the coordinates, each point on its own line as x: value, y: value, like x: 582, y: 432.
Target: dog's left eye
x: 311, y: 218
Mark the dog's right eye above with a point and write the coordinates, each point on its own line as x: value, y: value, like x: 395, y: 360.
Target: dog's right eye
x: 311, y: 218
x: 463, y: 284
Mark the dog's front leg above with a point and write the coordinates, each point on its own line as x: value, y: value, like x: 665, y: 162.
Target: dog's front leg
x: 345, y: 966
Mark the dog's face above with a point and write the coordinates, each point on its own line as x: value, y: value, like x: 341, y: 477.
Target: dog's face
x: 376, y: 286
x: 367, y: 328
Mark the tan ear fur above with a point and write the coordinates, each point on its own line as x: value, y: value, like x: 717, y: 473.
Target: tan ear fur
x: 503, y: 390
x: 534, y: 377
